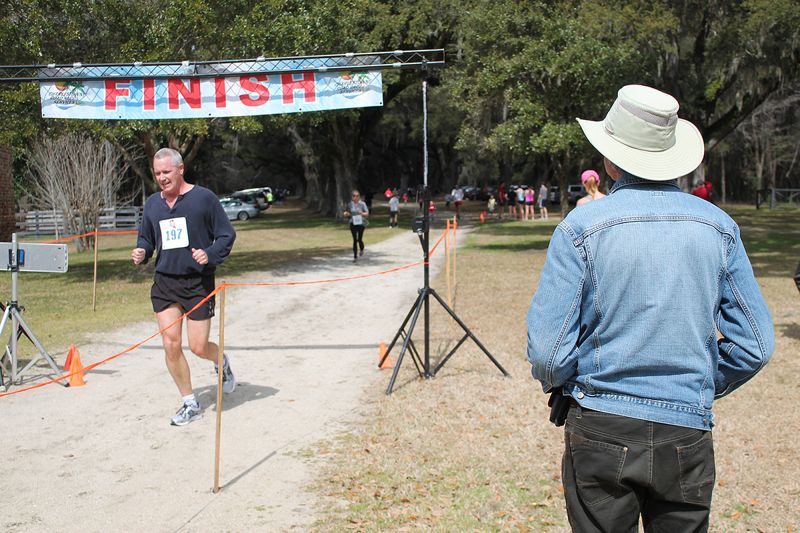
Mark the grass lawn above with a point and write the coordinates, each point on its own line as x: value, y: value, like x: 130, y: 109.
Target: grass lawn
x: 474, y: 451
x: 58, y: 307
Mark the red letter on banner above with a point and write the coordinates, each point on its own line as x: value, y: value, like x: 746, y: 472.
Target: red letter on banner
x: 149, y: 94
x: 219, y: 92
x: 190, y: 94
x: 290, y: 85
x: 112, y: 93
x: 249, y: 85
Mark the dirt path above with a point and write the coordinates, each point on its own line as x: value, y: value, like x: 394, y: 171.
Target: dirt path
x: 104, y: 457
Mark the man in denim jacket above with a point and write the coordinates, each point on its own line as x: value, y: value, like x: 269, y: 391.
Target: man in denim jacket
x: 647, y: 310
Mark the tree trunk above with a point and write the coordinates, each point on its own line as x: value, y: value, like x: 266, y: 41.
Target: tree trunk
x: 189, y: 147
x: 560, y: 164
x: 759, y: 164
x: 343, y: 184
x: 771, y: 163
x: 723, y: 184
x: 346, y: 158
x: 313, y: 191
x: 447, y: 177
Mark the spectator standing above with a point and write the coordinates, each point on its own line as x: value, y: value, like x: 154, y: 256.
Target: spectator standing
x: 512, y: 203
x: 591, y: 182
x: 647, y: 310
x: 491, y: 205
x: 458, y: 200
x: 529, y: 196
x: 502, y: 198
x: 394, y: 207
x: 543, y: 201
x: 704, y: 191
x: 520, y: 202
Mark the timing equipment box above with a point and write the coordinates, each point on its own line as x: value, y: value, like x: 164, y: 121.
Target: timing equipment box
x: 34, y: 257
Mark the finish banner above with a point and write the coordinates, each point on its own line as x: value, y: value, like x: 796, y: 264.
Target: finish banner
x: 118, y: 98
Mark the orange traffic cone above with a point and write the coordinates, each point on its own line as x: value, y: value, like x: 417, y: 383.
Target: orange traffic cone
x: 70, y: 355
x: 483, y: 216
x: 387, y: 363
x: 76, y: 370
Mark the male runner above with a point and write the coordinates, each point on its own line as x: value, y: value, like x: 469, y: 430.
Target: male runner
x: 192, y: 234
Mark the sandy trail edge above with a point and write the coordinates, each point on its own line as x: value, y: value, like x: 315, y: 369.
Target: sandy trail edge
x: 104, y: 457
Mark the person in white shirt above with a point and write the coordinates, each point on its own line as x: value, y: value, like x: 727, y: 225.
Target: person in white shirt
x: 394, y: 207
x: 458, y: 200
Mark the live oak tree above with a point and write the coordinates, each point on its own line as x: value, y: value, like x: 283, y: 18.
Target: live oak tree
x: 531, y: 68
x: 518, y: 74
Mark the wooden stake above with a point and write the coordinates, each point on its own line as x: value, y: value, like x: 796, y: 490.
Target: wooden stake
x: 447, y: 264
x: 94, y: 281
x: 219, y: 384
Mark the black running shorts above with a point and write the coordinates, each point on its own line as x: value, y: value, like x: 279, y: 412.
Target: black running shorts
x: 186, y: 291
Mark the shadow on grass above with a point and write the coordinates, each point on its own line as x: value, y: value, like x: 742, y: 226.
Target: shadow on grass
x: 516, y: 229
x: 511, y: 236
x: 510, y: 246
x: 772, y: 240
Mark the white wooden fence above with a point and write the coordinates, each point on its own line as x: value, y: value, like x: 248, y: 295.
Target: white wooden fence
x: 45, y: 222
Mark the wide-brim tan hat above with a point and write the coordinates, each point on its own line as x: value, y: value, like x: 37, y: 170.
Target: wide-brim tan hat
x: 643, y: 135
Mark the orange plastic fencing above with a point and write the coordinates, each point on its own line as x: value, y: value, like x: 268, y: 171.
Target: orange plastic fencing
x: 73, y: 237
x: 219, y: 288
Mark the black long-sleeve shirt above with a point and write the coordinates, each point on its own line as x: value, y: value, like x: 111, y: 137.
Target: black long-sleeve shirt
x: 207, y: 226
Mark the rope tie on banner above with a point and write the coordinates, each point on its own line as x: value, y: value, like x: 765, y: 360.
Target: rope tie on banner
x: 216, y: 290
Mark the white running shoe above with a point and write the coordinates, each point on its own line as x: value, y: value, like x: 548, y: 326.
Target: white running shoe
x: 189, y: 412
x: 228, y: 379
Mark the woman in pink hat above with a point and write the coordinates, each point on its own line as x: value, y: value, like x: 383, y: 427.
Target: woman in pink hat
x: 591, y: 182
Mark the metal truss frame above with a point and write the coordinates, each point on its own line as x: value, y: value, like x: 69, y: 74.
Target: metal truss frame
x: 369, y: 61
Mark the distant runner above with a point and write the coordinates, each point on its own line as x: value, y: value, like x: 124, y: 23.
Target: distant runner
x: 358, y: 214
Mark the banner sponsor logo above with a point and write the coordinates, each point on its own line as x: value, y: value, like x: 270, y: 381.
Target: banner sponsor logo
x: 68, y: 94
x: 351, y: 86
x: 194, y: 97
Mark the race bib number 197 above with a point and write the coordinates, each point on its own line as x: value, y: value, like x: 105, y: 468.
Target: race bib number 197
x: 174, y: 233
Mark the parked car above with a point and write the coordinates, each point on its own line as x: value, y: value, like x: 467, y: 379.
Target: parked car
x: 470, y: 192
x: 485, y: 192
x: 237, y: 209
x: 256, y: 197
x: 576, y: 192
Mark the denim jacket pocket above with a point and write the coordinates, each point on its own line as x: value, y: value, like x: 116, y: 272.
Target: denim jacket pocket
x: 598, y: 468
x: 697, y: 471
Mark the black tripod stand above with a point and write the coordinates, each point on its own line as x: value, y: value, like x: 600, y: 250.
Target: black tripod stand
x: 422, y: 304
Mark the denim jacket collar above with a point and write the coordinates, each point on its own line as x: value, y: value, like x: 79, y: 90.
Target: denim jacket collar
x: 627, y: 180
